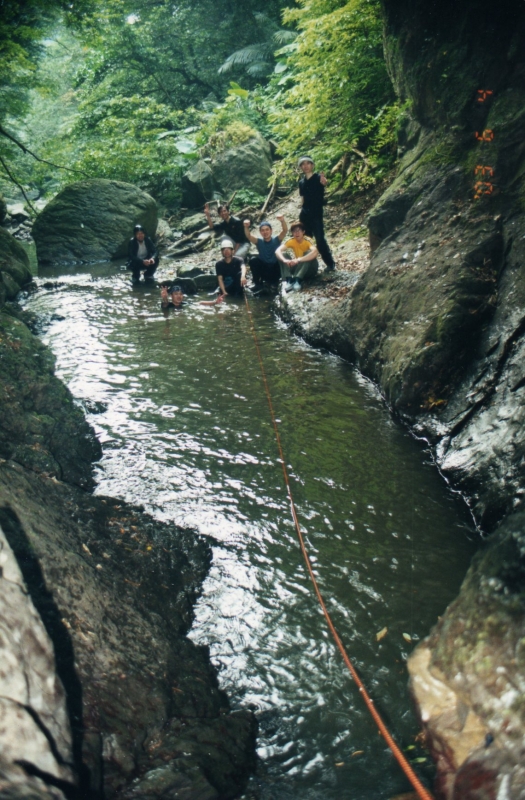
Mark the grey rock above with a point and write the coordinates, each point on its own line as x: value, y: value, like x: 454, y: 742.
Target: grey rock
x: 189, y: 271
x: 32, y: 696
x: 18, y: 212
x: 246, y: 166
x: 206, y: 282
x: 198, y: 185
x: 92, y: 221
x: 193, y: 223
x: 3, y: 208
x: 187, y: 285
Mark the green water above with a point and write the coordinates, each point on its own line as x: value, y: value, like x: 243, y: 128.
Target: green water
x: 186, y: 431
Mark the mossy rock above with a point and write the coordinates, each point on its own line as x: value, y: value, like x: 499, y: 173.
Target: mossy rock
x: 246, y: 166
x: 92, y: 221
x: 14, y: 266
x: 3, y: 208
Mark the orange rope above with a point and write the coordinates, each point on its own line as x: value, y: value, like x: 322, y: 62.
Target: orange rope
x: 421, y: 791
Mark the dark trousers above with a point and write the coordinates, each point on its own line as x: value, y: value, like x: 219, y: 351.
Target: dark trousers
x: 136, y: 266
x: 314, y: 226
x: 262, y: 271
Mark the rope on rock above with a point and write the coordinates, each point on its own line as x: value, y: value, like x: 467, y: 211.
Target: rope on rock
x: 421, y: 791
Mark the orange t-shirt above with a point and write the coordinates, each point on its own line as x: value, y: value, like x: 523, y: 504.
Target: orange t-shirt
x: 299, y: 248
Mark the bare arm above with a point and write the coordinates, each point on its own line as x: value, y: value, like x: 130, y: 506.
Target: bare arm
x: 251, y: 238
x: 284, y: 227
x: 310, y: 255
x: 208, y: 215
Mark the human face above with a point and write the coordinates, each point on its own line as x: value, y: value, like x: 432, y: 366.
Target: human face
x: 227, y: 253
x: 266, y: 233
x: 224, y: 214
x: 298, y: 234
x: 176, y: 298
x: 307, y: 167
x: 140, y: 235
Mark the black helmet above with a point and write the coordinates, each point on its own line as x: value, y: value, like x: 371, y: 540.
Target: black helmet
x: 137, y: 228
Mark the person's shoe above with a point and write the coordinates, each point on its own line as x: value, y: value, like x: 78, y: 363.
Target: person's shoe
x: 149, y: 279
x: 333, y: 268
x: 296, y: 287
x: 288, y: 286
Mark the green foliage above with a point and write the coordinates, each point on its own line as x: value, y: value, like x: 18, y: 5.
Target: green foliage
x: 332, y: 97
x: 244, y: 198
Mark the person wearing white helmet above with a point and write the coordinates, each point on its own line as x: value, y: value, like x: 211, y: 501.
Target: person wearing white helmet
x: 311, y: 189
x: 230, y: 270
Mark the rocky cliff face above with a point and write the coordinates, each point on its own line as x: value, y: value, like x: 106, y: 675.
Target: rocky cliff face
x: 438, y: 321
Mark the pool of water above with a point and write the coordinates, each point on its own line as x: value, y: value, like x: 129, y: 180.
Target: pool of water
x: 185, y: 428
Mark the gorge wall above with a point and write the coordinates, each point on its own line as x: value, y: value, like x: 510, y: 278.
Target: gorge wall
x: 437, y: 320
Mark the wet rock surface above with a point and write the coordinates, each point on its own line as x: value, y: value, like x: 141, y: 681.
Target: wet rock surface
x: 114, y: 590
x: 92, y: 220
x: 14, y: 267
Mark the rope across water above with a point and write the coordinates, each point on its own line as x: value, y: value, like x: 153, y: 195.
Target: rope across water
x: 421, y: 791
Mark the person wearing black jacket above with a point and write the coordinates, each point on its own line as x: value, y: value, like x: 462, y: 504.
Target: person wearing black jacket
x: 142, y: 255
x: 311, y: 189
x: 230, y: 227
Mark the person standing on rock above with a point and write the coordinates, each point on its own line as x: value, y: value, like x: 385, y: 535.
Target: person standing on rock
x: 231, y: 271
x: 265, y: 266
x: 311, y: 189
x: 142, y: 255
x: 231, y: 227
x: 303, y: 264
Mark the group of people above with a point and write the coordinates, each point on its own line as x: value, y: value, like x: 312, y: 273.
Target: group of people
x: 291, y: 260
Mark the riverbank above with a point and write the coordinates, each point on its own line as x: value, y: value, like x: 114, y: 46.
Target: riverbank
x: 136, y: 707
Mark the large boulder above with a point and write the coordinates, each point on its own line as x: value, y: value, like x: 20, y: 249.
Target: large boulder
x: 14, y: 266
x: 245, y: 166
x: 91, y: 221
x: 198, y: 185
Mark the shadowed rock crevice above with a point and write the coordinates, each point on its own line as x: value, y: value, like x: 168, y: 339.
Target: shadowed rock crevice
x: 50, y: 614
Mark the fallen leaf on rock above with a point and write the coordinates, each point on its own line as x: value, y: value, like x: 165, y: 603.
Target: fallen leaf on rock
x: 357, y: 753
x: 86, y: 549
x: 339, y: 763
x: 382, y: 633
x: 407, y: 637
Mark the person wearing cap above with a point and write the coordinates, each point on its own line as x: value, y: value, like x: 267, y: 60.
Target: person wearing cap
x: 171, y: 296
x: 230, y: 270
x: 230, y: 227
x: 142, y: 255
x: 265, y: 266
x: 303, y: 263
x: 311, y: 189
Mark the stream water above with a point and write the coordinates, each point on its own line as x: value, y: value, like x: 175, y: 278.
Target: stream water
x: 184, y: 423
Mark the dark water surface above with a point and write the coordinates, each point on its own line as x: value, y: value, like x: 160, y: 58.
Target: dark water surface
x: 186, y: 431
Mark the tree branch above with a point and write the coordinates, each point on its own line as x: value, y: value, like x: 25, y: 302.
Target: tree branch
x: 14, y: 180
x: 29, y: 152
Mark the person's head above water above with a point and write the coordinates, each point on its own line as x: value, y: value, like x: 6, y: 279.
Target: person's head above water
x: 176, y: 294
x: 139, y: 233
x: 224, y: 212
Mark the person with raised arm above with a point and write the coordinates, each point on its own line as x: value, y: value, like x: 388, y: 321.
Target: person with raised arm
x: 230, y: 227
x: 265, y: 266
x: 311, y: 189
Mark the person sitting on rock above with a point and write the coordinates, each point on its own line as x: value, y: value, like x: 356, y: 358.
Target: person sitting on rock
x: 311, y: 189
x: 303, y: 263
x: 231, y: 227
x: 171, y: 296
x: 231, y: 271
x: 265, y: 266
x: 142, y: 255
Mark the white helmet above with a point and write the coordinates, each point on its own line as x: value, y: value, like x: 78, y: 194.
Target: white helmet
x: 227, y: 243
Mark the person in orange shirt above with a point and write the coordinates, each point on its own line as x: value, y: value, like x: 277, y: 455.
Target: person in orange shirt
x: 298, y: 259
